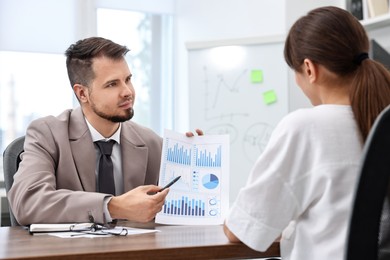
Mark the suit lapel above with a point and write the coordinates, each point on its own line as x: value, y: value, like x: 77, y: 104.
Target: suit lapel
x: 134, y: 157
x: 133, y: 149
x: 83, y: 151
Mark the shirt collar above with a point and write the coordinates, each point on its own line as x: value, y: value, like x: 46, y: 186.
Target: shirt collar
x: 96, y: 136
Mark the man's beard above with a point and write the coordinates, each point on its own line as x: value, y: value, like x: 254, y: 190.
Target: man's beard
x: 115, y: 118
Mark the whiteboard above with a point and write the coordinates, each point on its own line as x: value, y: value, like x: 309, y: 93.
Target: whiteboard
x: 238, y: 88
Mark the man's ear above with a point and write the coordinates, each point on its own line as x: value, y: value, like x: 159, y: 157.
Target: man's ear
x: 310, y: 69
x: 81, y: 92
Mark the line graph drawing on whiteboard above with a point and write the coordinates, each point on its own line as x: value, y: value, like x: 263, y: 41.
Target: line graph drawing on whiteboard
x: 219, y: 88
x: 253, y: 137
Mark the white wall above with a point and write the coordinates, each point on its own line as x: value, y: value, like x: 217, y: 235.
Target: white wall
x: 51, y: 26
x: 34, y: 25
x: 295, y: 10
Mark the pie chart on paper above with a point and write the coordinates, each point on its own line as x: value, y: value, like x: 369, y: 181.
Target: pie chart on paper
x: 210, y: 181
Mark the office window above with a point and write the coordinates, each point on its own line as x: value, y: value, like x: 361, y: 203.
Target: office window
x: 32, y: 85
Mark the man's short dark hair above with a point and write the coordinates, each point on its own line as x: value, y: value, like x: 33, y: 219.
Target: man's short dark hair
x: 79, y: 57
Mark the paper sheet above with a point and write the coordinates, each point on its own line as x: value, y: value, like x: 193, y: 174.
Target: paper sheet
x: 201, y: 195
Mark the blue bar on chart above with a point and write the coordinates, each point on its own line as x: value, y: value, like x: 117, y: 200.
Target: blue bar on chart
x: 204, y: 158
x: 184, y: 207
x: 179, y: 155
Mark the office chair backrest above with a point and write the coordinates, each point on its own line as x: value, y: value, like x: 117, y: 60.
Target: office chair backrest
x: 369, y: 230
x: 11, y: 160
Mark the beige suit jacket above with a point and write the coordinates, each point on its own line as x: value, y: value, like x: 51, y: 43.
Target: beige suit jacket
x: 56, y: 180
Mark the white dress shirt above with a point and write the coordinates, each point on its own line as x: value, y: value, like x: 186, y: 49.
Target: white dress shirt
x: 116, y: 158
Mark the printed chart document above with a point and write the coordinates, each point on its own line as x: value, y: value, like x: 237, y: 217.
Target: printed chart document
x: 201, y: 195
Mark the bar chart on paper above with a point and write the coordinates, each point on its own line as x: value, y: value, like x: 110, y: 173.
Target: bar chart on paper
x: 201, y: 195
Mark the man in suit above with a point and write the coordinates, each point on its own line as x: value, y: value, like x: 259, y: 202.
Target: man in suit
x: 57, y: 180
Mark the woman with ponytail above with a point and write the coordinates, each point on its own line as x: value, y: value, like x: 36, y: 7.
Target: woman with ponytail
x: 301, y: 187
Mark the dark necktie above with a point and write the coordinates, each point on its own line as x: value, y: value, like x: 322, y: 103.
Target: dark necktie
x: 106, y: 169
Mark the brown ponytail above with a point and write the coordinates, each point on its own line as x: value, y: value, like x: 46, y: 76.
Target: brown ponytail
x: 370, y: 95
x: 334, y: 38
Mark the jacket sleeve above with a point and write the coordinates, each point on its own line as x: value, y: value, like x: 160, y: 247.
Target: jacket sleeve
x: 34, y: 196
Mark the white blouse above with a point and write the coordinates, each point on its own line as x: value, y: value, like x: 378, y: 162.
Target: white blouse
x: 303, y: 184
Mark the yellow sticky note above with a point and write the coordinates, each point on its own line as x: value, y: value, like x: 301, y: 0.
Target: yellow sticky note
x: 269, y: 97
x: 257, y: 76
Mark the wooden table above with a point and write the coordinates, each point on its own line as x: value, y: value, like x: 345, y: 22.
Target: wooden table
x: 173, y: 242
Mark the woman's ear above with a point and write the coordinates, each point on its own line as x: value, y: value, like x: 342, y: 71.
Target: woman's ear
x: 310, y: 69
